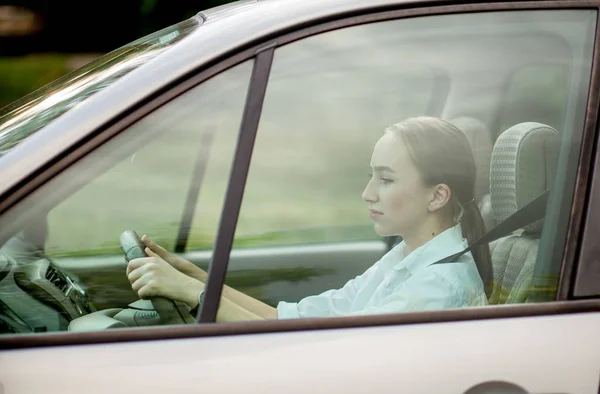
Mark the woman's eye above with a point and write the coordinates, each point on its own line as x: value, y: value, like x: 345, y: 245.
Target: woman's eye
x: 385, y: 181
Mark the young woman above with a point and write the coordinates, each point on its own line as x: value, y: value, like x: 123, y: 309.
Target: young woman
x: 421, y: 188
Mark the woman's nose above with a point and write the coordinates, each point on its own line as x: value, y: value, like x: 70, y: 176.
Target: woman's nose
x: 369, y: 194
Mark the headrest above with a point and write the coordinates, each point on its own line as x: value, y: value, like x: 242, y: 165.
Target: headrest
x: 522, y: 167
x: 480, y: 140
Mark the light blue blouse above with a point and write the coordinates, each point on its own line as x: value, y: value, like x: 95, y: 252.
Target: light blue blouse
x: 402, y: 283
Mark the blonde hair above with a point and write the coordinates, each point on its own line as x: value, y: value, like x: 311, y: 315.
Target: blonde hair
x: 442, y: 155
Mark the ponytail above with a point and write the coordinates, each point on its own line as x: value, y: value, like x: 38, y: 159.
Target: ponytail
x: 472, y: 229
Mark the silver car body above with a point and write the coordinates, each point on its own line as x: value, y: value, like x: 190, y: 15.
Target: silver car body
x: 545, y: 348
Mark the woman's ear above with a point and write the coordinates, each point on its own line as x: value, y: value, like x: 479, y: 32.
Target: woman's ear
x: 440, y: 197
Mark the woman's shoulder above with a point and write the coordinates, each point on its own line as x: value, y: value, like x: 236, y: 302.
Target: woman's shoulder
x: 461, y: 274
x: 463, y: 267
x: 452, y: 284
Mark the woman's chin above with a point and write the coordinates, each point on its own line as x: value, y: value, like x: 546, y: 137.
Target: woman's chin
x: 381, y: 230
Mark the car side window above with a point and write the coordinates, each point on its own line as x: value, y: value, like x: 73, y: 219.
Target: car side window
x: 67, y: 259
x: 278, y: 207
x: 547, y: 85
x: 305, y: 241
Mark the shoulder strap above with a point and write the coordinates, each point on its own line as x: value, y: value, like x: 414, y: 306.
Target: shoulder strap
x: 532, y: 212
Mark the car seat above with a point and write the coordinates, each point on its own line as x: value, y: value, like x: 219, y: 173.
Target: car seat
x: 522, y: 167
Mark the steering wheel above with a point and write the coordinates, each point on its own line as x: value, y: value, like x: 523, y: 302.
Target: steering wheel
x: 169, y: 311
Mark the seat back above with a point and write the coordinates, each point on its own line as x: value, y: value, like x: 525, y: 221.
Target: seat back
x: 522, y: 167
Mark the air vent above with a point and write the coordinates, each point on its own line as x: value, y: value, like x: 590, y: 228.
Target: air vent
x: 57, y: 279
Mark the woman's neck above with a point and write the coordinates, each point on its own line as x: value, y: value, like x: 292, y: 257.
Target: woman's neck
x: 425, y: 233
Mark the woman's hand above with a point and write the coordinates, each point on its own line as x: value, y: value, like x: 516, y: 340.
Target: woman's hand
x: 152, y: 276
x: 181, y: 265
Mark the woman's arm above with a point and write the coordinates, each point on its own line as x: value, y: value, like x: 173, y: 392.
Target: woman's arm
x: 230, y: 311
x: 234, y: 305
x: 253, y: 305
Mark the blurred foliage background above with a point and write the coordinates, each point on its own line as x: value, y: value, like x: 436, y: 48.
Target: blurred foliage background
x: 41, y: 40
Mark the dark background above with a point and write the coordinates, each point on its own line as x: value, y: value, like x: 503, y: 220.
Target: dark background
x: 41, y: 40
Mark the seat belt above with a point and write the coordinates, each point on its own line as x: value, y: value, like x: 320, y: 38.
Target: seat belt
x: 532, y: 212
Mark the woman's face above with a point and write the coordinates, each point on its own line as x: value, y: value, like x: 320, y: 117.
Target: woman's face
x: 398, y: 199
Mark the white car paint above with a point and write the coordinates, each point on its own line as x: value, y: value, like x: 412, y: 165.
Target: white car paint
x: 418, y: 359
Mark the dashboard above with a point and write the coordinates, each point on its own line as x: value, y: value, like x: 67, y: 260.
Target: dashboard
x: 35, y: 295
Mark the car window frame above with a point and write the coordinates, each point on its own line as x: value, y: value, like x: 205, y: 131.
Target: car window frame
x: 569, y: 260
x: 212, y: 294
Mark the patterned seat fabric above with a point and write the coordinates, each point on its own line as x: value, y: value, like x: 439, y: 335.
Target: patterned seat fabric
x: 522, y: 167
x: 513, y: 258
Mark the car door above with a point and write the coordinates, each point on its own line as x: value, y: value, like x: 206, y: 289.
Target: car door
x: 302, y: 160
x: 146, y: 182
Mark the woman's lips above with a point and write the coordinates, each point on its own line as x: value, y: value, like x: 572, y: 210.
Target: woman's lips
x: 375, y: 214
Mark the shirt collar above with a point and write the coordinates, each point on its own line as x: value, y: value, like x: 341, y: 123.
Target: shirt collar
x: 444, y: 244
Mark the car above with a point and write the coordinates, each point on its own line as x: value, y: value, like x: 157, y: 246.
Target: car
x: 240, y: 139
